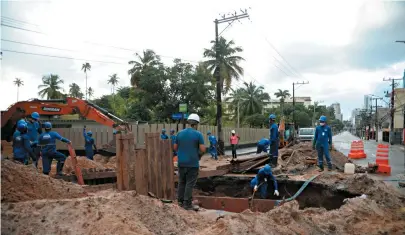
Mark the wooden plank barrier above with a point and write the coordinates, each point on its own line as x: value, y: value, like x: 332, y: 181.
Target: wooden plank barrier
x: 148, y: 169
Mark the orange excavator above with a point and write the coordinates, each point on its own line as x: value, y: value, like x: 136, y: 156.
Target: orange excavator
x: 85, y: 109
x: 286, y: 131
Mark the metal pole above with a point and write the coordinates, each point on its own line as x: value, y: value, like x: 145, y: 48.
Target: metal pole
x: 294, y: 105
x: 238, y: 113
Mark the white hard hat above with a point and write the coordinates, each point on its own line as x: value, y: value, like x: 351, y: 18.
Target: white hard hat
x: 233, y: 131
x: 194, y: 117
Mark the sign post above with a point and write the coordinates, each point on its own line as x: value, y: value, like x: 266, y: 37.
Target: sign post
x: 183, y: 110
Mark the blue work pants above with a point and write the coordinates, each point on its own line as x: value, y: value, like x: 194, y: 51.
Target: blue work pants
x: 323, y: 150
x: 47, y: 161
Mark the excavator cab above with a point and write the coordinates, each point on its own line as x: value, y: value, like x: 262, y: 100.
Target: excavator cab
x: 286, y: 133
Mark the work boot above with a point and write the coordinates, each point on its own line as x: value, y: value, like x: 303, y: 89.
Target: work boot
x: 320, y: 168
x: 329, y: 168
x: 191, y: 207
x: 59, y: 169
x: 180, y: 204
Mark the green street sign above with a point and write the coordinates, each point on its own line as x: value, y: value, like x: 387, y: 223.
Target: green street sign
x: 182, y: 108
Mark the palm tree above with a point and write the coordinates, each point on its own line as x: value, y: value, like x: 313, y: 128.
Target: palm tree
x: 250, y: 99
x: 113, y: 81
x: 282, y: 94
x: 51, y: 87
x: 74, y: 91
x: 86, y: 67
x: 228, y: 61
x: 149, y: 59
x: 90, y: 92
x: 18, y: 82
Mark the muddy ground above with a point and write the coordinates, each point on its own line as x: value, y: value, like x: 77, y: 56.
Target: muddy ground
x: 33, y: 203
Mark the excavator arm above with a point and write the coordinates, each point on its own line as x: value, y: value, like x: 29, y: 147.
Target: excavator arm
x: 68, y: 106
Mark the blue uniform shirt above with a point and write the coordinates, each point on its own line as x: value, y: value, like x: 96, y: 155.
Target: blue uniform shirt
x: 48, y: 141
x: 164, y: 136
x: 21, y: 146
x: 262, y: 174
x: 34, y: 129
x: 173, y: 138
x: 188, y: 142
x: 323, y: 136
x: 273, y: 133
x: 16, y: 133
x: 88, y: 140
x: 213, y: 140
x: 264, y: 142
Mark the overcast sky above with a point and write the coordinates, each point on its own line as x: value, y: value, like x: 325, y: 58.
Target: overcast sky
x: 343, y: 48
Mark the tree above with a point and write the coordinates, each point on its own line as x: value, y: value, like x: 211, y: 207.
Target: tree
x: 86, y: 67
x: 228, y: 61
x: 74, y: 91
x: 113, y: 81
x: 51, y: 87
x: 18, y: 82
x: 90, y: 92
x: 149, y: 59
x: 282, y: 94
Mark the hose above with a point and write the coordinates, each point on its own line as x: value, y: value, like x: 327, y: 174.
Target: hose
x: 253, y: 195
x: 278, y: 202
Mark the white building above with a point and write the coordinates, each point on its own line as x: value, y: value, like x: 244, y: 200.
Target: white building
x: 338, y: 112
x: 275, y: 103
x: 367, y: 102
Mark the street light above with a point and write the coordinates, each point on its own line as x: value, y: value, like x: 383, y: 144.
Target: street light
x: 315, y: 104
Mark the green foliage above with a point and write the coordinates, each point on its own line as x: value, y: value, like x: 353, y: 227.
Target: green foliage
x: 51, y: 87
x: 256, y: 120
x: 74, y: 91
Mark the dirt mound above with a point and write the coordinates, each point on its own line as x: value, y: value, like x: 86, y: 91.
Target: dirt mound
x: 83, y: 163
x: 377, y: 190
x: 292, y: 159
x: 23, y: 183
x: 113, y: 213
x: 357, y: 216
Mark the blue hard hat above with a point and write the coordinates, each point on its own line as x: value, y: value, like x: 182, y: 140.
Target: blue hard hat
x: 163, y: 130
x: 21, y: 121
x: 267, y: 169
x: 272, y: 116
x: 89, y: 133
x: 171, y: 131
x: 47, y: 125
x: 35, y: 115
x: 22, y: 126
x: 208, y: 132
x: 322, y: 118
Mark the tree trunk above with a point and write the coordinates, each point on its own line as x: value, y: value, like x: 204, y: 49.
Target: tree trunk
x: 86, y: 85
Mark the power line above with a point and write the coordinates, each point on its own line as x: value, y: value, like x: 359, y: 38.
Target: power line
x: 16, y: 20
x: 28, y: 30
x: 63, y: 57
x: 55, y: 48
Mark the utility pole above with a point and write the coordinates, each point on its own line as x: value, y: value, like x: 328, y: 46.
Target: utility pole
x: 238, y: 113
x: 217, y: 74
x: 376, y: 116
x: 392, y: 80
x: 296, y: 83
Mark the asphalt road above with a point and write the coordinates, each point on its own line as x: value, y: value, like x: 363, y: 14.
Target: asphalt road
x: 343, y: 141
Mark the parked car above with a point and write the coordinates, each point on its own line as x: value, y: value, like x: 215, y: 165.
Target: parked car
x: 306, y: 134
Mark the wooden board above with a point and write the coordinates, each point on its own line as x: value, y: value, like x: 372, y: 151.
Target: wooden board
x: 141, y: 172
x: 119, y: 160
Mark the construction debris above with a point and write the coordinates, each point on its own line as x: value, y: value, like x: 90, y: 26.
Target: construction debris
x: 24, y: 183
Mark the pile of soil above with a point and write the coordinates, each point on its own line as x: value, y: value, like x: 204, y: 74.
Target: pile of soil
x: 111, y: 213
x: 292, y: 159
x: 357, y: 216
x: 23, y: 183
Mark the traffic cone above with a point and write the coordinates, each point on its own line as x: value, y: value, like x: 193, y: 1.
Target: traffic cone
x: 357, y: 150
x: 382, y: 159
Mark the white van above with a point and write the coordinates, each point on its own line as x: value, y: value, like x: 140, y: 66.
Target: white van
x: 306, y: 134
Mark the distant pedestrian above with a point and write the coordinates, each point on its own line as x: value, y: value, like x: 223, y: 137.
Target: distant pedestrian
x: 163, y: 135
x: 190, y: 147
x: 89, y: 143
x: 173, y: 138
x: 213, y: 145
x: 234, y: 140
x: 323, y: 143
x: 274, y: 140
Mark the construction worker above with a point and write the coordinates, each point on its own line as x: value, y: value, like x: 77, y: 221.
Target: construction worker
x: 323, y: 143
x: 234, y: 140
x: 262, y: 145
x: 190, y: 147
x: 274, y: 140
x: 34, y: 130
x: 21, y: 143
x: 89, y: 143
x: 163, y: 135
x: 47, y: 141
x: 213, y: 146
x: 173, y: 138
x: 261, y: 180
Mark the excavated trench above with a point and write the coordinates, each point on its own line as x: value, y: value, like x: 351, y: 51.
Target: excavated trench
x: 314, y: 195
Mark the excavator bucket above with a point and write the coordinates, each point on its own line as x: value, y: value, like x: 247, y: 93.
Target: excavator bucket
x: 78, y: 171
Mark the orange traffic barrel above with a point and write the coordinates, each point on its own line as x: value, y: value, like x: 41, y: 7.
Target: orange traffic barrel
x: 357, y: 150
x: 382, y: 159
